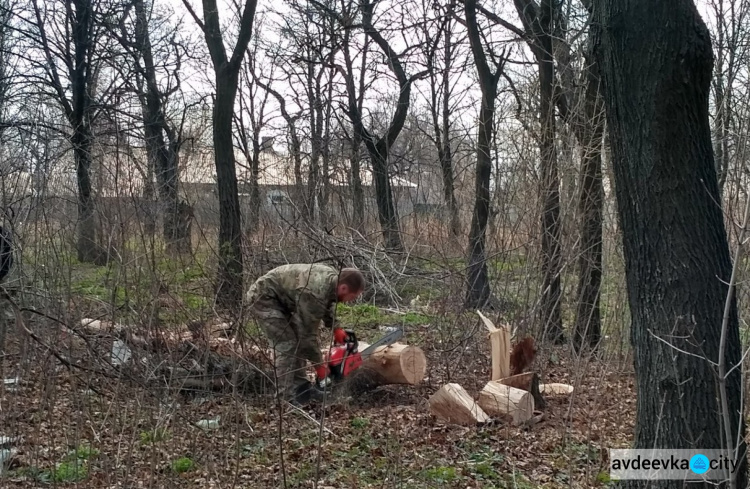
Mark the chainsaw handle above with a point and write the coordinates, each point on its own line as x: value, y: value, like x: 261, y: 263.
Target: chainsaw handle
x: 351, y: 337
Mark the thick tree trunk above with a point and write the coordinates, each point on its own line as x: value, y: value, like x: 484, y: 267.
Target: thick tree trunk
x: 226, y: 71
x: 82, y: 77
x: 478, y: 287
x: 387, y: 213
x: 163, y: 155
x: 230, y: 228
x: 656, y: 64
x: 551, y: 320
x: 88, y: 249
x: 587, y: 328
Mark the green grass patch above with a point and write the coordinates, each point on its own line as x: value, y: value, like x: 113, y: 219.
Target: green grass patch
x: 369, y: 316
x: 440, y: 474
x: 359, y: 423
x: 73, y: 468
x: 154, y: 436
x: 182, y: 465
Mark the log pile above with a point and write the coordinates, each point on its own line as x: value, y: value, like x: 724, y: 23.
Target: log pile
x: 509, y: 394
x: 211, y: 358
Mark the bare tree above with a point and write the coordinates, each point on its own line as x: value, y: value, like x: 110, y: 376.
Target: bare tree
x: 442, y: 106
x: 355, y: 100
x: 226, y: 73
x: 478, y: 289
x: 678, y: 265
x: 541, y: 26
x: 162, y: 136
x: 253, y: 107
x: 68, y: 35
x: 378, y: 147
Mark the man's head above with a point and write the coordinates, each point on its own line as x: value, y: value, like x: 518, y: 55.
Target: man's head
x: 351, y: 284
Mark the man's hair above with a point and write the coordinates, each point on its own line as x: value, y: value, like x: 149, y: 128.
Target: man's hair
x: 353, y: 278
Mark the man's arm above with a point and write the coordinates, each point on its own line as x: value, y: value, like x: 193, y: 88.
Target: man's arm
x: 312, y: 309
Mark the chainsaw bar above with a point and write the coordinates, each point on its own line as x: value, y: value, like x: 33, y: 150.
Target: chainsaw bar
x: 388, y: 339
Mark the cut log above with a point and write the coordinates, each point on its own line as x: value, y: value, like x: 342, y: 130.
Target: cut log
x: 503, y: 400
x: 556, y: 389
x: 394, y: 364
x: 397, y: 363
x: 454, y: 405
x: 529, y: 382
x: 499, y: 348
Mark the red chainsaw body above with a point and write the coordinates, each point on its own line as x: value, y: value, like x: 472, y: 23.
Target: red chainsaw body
x: 343, y: 360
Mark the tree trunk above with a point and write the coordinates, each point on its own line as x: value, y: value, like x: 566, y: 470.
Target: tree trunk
x: 587, y: 328
x: 79, y: 116
x: 316, y: 141
x: 253, y: 216
x: 226, y: 71
x: 442, y: 137
x: 387, y: 214
x: 551, y: 320
x: 656, y: 65
x: 358, y: 197
x: 230, y: 228
x: 478, y: 287
x: 88, y: 249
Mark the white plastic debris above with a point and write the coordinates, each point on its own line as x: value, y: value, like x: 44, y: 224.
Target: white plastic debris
x: 209, y: 424
x: 120, y: 352
x: 6, y: 455
x: 388, y: 329
x: 9, y: 441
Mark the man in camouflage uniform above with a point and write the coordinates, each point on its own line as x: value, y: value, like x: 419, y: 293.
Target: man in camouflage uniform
x: 288, y: 303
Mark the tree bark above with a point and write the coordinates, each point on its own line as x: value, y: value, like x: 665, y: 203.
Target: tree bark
x: 551, y: 320
x: 379, y: 147
x: 441, y: 120
x: 81, y: 73
x: 355, y: 100
x: 230, y: 229
x: 226, y: 71
x: 162, y: 154
x: 656, y: 65
x: 478, y: 287
x: 587, y: 328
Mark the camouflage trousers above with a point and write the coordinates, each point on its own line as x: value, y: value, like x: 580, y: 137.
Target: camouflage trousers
x: 294, y: 343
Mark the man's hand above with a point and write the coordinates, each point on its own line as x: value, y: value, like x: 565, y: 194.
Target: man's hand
x: 322, y: 380
x: 339, y: 336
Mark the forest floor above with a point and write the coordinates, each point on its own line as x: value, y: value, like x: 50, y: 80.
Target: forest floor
x: 83, y: 431
x: 77, y: 426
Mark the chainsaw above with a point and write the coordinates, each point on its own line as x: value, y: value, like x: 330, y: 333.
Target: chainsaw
x: 344, y: 357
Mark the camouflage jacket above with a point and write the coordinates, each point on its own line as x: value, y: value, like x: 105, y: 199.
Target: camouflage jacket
x: 305, y: 290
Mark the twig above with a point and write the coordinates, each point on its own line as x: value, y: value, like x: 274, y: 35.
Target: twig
x: 722, y: 369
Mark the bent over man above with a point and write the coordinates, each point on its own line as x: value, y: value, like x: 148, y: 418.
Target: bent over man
x: 288, y: 303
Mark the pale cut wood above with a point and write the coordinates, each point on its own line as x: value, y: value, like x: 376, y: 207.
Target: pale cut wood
x: 528, y: 381
x: 503, y: 400
x: 397, y: 363
x: 453, y: 404
x: 499, y: 348
x: 556, y: 389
